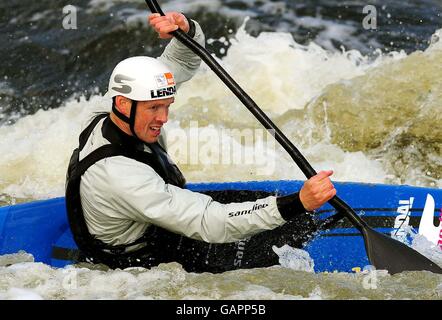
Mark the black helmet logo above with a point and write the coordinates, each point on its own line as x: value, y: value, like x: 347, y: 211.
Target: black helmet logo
x: 124, y: 88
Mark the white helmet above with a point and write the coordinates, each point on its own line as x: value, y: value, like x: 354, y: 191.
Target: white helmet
x: 141, y: 79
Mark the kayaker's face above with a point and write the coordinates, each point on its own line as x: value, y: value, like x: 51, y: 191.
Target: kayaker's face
x: 150, y: 117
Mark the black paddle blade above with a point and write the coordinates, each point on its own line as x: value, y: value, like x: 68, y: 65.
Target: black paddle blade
x: 386, y: 253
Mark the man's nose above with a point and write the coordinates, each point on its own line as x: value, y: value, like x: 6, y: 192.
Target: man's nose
x: 163, y: 115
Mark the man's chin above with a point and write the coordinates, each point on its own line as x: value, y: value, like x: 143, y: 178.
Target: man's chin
x: 150, y: 139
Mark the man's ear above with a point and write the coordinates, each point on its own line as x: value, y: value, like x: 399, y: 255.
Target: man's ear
x: 123, y: 105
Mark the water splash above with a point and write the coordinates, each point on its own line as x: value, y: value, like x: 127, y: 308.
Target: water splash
x: 294, y: 258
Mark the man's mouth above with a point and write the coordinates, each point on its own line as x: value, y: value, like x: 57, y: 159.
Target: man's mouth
x: 155, y: 129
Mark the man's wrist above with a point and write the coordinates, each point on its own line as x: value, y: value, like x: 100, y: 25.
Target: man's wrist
x: 192, y: 27
x: 290, y: 205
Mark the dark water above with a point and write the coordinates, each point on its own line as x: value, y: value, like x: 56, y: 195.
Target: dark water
x: 44, y: 64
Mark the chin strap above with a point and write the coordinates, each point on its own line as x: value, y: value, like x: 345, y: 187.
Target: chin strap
x: 118, y: 113
x: 131, y: 119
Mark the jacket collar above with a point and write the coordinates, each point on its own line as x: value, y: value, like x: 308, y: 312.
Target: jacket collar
x: 115, y: 135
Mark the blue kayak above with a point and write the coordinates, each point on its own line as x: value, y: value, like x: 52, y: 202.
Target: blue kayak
x: 41, y: 227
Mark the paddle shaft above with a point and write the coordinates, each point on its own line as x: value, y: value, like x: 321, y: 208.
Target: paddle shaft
x: 294, y: 153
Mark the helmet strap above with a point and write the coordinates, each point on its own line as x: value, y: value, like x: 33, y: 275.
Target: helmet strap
x: 133, y: 113
x: 118, y: 113
x: 131, y: 120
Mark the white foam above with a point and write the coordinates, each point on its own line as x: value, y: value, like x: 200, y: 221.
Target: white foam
x: 421, y: 244
x: 332, y: 30
x: 278, y: 73
x: 175, y: 5
x: 36, y: 149
x: 436, y: 40
x: 104, y: 5
x: 294, y: 258
x: 40, y: 15
x: 20, y: 294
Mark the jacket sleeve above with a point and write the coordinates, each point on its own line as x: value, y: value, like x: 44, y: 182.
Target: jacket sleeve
x: 142, y: 195
x: 180, y: 59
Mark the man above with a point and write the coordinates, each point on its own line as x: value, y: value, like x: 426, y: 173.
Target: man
x: 126, y: 200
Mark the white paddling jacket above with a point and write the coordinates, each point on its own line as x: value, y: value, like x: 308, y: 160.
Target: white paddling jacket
x: 122, y: 197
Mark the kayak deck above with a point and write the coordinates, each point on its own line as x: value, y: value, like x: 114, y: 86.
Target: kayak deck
x: 41, y: 228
